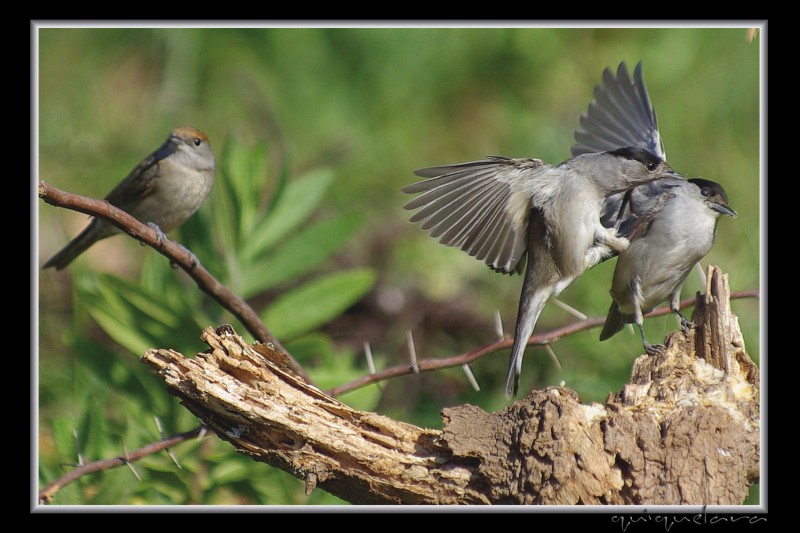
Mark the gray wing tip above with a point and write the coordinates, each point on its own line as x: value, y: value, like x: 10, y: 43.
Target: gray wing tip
x: 620, y: 114
x: 441, y: 170
x: 414, y: 188
x: 622, y: 72
x: 486, y: 233
x: 510, y: 268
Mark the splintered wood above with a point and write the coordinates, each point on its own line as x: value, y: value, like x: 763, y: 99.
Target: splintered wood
x: 685, y: 430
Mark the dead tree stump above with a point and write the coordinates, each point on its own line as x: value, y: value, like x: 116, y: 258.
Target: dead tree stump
x: 685, y: 430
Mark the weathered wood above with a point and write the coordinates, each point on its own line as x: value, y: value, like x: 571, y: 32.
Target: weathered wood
x: 685, y: 430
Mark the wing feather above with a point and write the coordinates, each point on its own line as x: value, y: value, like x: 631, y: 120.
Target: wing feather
x: 475, y: 206
x: 620, y: 115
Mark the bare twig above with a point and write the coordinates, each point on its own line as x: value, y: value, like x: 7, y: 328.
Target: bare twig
x: 177, y: 255
x: 548, y: 337
x: 129, y: 464
x: 47, y: 493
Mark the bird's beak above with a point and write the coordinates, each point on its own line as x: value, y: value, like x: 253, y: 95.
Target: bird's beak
x: 668, y: 173
x: 673, y: 174
x: 724, y: 209
x: 173, y: 142
x: 168, y: 148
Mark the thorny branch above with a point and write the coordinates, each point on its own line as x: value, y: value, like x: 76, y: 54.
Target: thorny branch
x: 180, y: 256
x: 548, y: 337
x: 177, y: 254
x: 684, y: 430
x: 47, y: 493
x: 424, y: 365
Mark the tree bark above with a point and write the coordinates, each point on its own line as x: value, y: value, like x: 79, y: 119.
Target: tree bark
x: 685, y: 430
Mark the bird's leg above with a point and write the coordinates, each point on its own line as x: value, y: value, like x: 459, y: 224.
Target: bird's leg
x: 650, y: 349
x: 607, y: 243
x: 638, y: 317
x: 611, y: 238
x: 675, y: 307
x: 162, y: 237
x: 595, y: 255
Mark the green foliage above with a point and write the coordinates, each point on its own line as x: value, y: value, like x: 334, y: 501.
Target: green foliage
x: 299, y: 201
x: 302, y: 253
x: 308, y: 307
x: 136, y: 316
x: 164, y: 308
x: 316, y: 130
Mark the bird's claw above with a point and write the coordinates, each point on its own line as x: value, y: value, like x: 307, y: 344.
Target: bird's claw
x: 162, y: 238
x: 654, y: 349
x: 610, y: 238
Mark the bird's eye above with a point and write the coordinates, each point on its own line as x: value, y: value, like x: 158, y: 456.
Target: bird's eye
x: 651, y: 166
x: 197, y: 141
x: 705, y: 192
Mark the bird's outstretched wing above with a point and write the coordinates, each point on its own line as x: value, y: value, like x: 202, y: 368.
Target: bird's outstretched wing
x: 478, y: 207
x: 619, y: 115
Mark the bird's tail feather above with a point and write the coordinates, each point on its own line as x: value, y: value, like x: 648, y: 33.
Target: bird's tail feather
x: 529, y: 309
x: 93, y: 233
x: 615, y: 321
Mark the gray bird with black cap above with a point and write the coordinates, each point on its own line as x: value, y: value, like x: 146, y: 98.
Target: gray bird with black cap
x: 503, y: 211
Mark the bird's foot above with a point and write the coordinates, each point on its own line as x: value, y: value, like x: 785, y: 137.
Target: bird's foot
x: 162, y: 237
x: 687, y: 324
x: 596, y: 254
x: 654, y: 349
x: 618, y: 243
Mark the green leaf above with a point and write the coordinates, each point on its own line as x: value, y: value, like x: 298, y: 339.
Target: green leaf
x: 148, y: 304
x: 311, y: 305
x: 156, y: 275
x: 119, y: 317
x: 136, y: 318
x: 223, y: 200
x: 93, y: 429
x: 300, y: 198
x: 64, y: 438
x: 245, y: 170
x: 230, y: 471
x: 280, y: 187
x: 120, y: 330
x: 300, y: 254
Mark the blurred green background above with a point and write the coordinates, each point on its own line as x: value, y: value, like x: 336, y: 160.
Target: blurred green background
x: 364, y: 107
